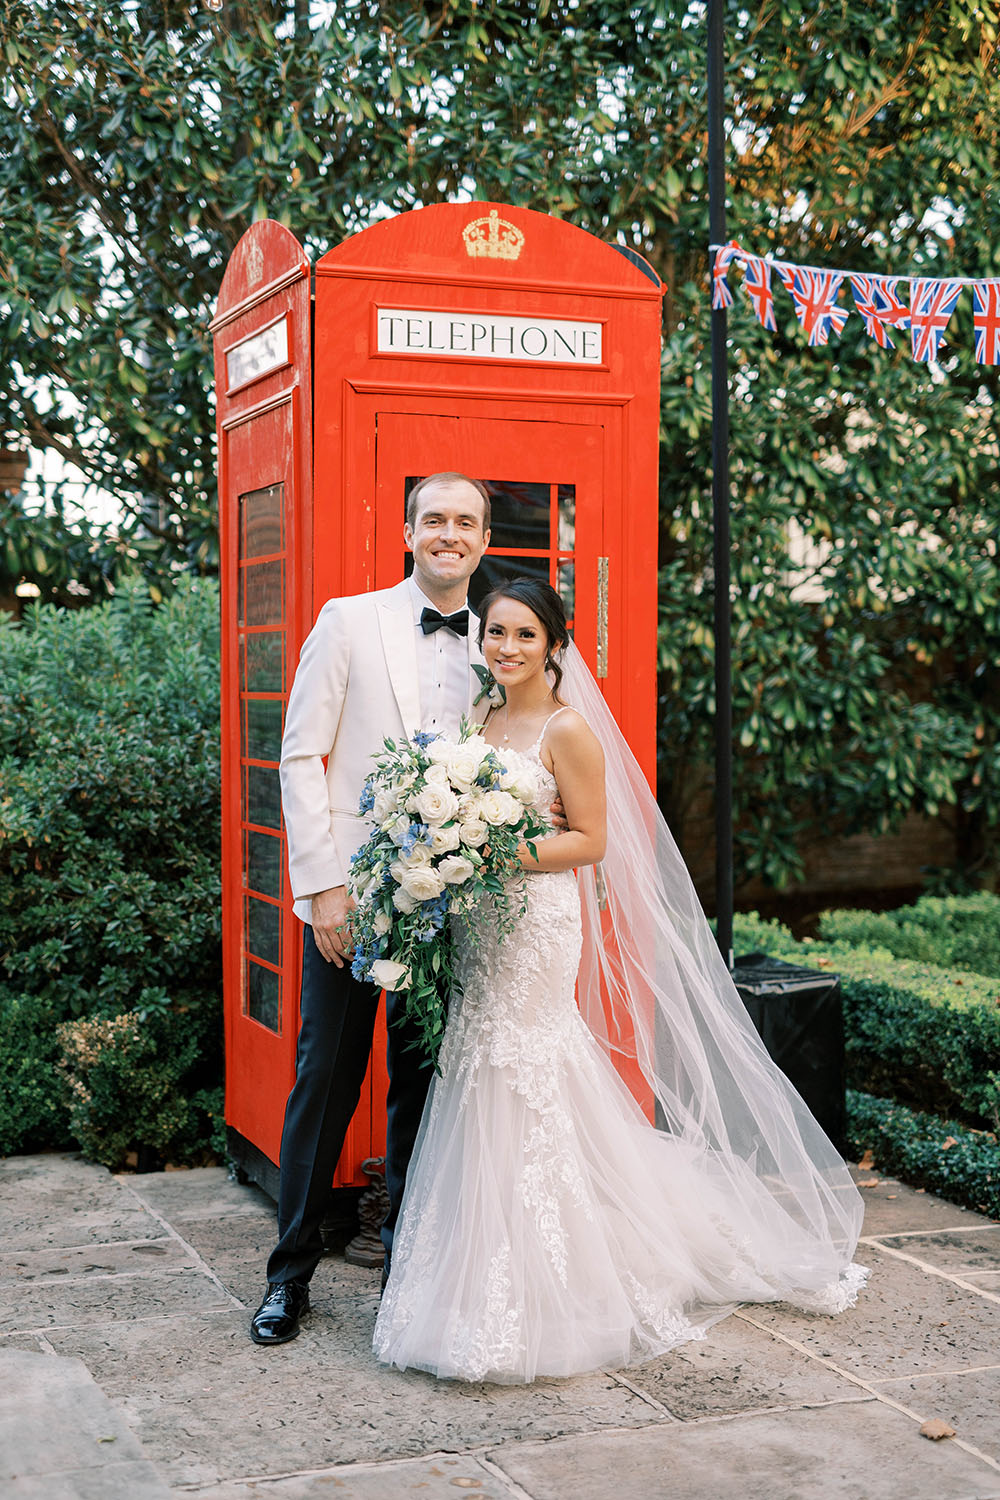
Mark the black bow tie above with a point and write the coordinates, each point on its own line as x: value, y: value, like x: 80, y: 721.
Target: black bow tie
x: 430, y: 621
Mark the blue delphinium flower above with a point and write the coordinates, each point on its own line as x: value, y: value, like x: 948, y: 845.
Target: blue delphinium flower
x: 413, y: 835
x: 423, y: 738
x: 359, y: 964
x: 367, y: 798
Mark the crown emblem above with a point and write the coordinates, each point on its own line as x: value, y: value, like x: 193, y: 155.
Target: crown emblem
x: 493, y: 238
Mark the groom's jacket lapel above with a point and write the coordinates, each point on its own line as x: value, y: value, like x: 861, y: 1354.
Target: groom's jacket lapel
x: 395, y: 619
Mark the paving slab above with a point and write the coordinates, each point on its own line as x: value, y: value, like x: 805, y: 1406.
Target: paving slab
x: 906, y: 1322
x: 209, y: 1405
x: 955, y: 1250
x: 738, y: 1368
x: 969, y: 1402
x: 61, y: 1437
x: 47, y: 1267
x: 202, y: 1192
x: 61, y: 1200
x: 55, y: 1304
x: 443, y: 1477
x: 840, y: 1452
x: 893, y: 1208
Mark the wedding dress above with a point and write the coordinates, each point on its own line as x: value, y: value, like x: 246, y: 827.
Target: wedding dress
x: 547, y: 1228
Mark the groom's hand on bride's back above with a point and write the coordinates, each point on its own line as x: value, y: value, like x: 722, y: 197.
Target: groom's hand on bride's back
x: 559, y: 815
x: 331, y: 912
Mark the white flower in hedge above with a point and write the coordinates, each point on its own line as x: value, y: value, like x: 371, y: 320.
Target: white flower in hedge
x: 389, y: 975
x: 403, y: 901
x: 423, y: 883
x: 496, y: 808
x: 443, y: 840
x: 473, y: 831
x: 382, y: 924
x: 398, y: 829
x: 455, y: 869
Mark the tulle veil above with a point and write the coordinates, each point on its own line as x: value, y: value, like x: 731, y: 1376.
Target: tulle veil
x: 654, y: 987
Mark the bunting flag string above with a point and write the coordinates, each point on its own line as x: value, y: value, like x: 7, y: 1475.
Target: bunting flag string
x: 921, y: 305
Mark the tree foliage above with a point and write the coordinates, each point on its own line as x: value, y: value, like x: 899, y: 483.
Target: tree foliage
x: 143, y: 138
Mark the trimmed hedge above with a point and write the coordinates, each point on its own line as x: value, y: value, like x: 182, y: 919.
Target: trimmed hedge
x: 958, y: 932
x: 925, y: 1036
x: 109, y: 884
x: 944, y: 1156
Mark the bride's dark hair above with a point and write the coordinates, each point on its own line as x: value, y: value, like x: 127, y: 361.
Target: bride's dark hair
x: 542, y: 599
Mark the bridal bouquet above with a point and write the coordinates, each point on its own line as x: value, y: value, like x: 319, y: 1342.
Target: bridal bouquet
x: 448, y: 817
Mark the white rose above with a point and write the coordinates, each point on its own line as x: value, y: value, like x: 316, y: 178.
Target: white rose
x: 435, y: 804
x: 436, y: 774
x: 385, y: 805
x: 464, y: 762
x: 455, y: 869
x: 499, y: 807
x: 422, y: 883
x: 473, y: 832
x: 382, y: 923
x: 443, y: 840
x: 389, y: 975
x: 398, y: 829
x: 438, y: 751
x: 403, y: 901
x: 519, y: 780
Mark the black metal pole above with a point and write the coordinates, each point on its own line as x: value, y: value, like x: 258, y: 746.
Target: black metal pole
x: 720, y: 497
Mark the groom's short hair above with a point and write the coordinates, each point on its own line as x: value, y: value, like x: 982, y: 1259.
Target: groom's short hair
x: 449, y: 478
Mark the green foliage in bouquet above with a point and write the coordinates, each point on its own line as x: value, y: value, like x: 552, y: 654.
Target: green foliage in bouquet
x: 448, y: 816
x: 109, y: 885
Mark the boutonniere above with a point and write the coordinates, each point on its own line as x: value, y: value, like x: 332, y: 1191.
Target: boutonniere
x: 488, y: 687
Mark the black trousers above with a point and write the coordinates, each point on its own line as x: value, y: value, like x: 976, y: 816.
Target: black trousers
x: 335, y: 1039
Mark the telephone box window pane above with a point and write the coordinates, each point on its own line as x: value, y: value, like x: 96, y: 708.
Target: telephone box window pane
x: 520, y: 514
x: 262, y: 793
x: 264, y: 863
x: 566, y: 587
x: 262, y: 729
x: 263, y: 995
x: 260, y: 593
x: 494, y: 570
x: 263, y: 931
x: 262, y: 522
x: 262, y: 661
x: 567, y: 517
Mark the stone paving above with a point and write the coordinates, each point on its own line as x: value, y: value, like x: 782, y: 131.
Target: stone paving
x: 126, y: 1372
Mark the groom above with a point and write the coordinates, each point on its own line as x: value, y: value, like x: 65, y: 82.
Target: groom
x: 373, y: 665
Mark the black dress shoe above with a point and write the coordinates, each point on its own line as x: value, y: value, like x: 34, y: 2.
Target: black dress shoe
x: 277, y: 1318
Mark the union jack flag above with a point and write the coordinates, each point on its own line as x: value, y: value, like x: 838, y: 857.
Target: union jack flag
x: 878, y: 304
x: 721, y: 295
x: 815, y: 296
x: 986, y: 319
x: 932, y: 303
x: 757, y: 285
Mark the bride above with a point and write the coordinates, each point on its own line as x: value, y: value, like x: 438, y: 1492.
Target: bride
x: 547, y: 1227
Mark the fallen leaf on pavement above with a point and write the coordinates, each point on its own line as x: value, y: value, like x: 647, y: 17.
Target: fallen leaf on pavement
x: 867, y: 1162
x: 935, y: 1429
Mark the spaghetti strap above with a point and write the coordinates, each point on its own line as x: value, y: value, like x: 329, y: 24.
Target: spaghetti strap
x: 548, y: 721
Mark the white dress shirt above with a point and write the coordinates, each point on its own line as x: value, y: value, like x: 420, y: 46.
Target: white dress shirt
x: 442, y: 671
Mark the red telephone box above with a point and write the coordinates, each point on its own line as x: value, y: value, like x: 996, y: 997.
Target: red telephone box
x: 475, y: 337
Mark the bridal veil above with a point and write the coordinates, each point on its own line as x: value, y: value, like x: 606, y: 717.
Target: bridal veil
x: 653, y: 987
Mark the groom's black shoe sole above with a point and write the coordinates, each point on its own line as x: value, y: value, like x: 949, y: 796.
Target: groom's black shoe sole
x: 276, y: 1320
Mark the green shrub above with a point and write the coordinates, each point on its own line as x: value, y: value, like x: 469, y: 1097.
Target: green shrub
x: 959, y: 1164
x: 925, y: 1036
x: 109, y: 857
x: 961, y: 932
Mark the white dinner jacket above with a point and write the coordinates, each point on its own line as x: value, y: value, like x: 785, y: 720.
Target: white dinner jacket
x: 356, y: 683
